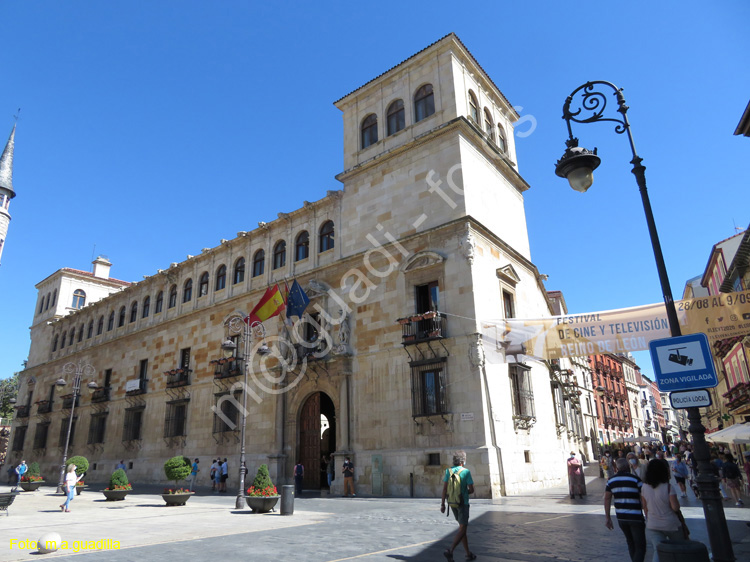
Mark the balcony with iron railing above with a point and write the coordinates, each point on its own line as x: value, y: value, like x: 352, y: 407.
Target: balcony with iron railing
x: 227, y: 367
x: 68, y: 401
x: 22, y: 411
x: 100, y: 395
x: 737, y: 396
x: 422, y: 327
x: 43, y: 407
x: 178, y: 377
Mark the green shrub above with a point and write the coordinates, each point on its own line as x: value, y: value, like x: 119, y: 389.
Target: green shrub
x: 82, y: 464
x: 34, y: 469
x: 178, y: 468
x: 119, y: 478
x: 262, y: 478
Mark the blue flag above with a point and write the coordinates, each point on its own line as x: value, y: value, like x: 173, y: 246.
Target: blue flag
x: 297, y: 301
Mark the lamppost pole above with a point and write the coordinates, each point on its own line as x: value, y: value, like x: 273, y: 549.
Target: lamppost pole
x: 577, y: 165
x: 238, y: 326
x: 78, y: 370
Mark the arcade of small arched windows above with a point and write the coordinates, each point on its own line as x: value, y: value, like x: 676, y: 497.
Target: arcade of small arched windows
x: 325, y: 242
x: 496, y: 133
x: 395, y: 114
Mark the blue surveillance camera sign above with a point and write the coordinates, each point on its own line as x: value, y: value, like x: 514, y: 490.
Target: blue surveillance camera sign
x: 683, y: 363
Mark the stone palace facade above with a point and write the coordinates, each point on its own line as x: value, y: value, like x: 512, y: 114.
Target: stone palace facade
x: 425, y: 239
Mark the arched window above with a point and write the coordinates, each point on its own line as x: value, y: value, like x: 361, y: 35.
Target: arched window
x: 111, y: 321
x: 54, y: 344
x: 221, y: 277
x: 279, y: 254
x: 41, y: 305
x: 502, y: 143
x: 473, y: 105
x: 146, y: 307
x: 326, y: 236
x: 134, y: 312
x: 121, y: 317
x: 172, y: 297
x: 203, y: 285
x: 79, y: 298
x: 396, y: 117
x: 239, y: 271
x: 72, y: 336
x: 259, y: 263
x: 488, y: 126
x: 100, y: 326
x: 80, y: 333
x: 63, y: 339
x: 424, y: 103
x: 159, y: 302
x: 369, y: 130
x: 302, y: 246
x: 90, y: 331
x: 187, y: 291
x: 46, y: 304
x: 54, y: 297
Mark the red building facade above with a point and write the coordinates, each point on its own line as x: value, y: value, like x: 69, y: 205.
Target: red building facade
x: 612, y: 404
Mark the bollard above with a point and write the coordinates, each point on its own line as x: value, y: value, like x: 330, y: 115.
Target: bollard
x: 685, y: 551
x: 287, y: 500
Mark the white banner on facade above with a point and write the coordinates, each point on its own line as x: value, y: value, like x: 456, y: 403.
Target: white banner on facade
x: 614, y: 331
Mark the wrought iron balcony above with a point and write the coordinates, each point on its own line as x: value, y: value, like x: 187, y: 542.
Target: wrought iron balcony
x: 737, y: 396
x: 227, y: 367
x: 133, y: 387
x: 43, y: 407
x: 22, y: 411
x: 100, y: 395
x: 426, y: 326
x: 178, y: 377
x: 68, y: 401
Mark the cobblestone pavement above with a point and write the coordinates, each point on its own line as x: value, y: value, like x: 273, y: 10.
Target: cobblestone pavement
x: 538, y: 527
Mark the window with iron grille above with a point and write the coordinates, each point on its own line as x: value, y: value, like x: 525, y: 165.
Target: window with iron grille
x: 558, y: 400
x: 522, y: 393
x: 133, y: 423
x: 175, y: 422
x: 19, y: 437
x: 227, y: 411
x: 428, y: 388
x: 64, y: 431
x: 96, y: 429
x: 40, y: 435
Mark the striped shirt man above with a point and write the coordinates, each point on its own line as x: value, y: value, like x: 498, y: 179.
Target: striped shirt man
x: 626, y: 490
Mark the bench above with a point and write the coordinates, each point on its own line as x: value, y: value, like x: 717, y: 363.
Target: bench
x: 6, y: 500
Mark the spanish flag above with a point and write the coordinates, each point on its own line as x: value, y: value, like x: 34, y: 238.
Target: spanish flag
x: 269, y: 306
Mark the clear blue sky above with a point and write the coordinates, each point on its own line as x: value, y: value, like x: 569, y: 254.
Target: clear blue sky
x: 150, y: 130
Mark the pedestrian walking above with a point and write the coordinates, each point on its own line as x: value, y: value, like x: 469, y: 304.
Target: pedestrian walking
x: 70, y: 487
x: 663, y: 516
x: 217, y: 475
x: 607, y: 465
x: 194, y: 475
x: 122, y: 465
x: 457, y: 485
x: 11, y: 474
x: 20, y: 471
x: 625, y: 489
x: 734, y: 478
x: 681, y: 474
x: 224, y: 475
x: 347, y: 470
x: 329, y: 471
x: 299, y: 476
x: 576, y: 480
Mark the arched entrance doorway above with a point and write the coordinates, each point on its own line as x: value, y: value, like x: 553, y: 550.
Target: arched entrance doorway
x: 317, y: 438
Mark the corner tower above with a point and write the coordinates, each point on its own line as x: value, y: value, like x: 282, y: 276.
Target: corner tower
x: 6, y: 187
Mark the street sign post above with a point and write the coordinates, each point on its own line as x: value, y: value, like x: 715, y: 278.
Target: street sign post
x: 683, y: 363
x: 690, y: 398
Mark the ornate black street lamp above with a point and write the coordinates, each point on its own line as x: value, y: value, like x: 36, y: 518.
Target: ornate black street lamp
x: 577, y: 165
x: 77, y: 370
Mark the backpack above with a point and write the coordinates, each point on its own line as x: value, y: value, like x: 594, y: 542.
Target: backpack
x: 455, y: 497
x: 731, y: 470
x: 298, y: 470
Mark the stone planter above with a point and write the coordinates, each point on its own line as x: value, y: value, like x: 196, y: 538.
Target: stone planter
x: 31, y: 486
x: 261, y: 504
x: 176, y: 499
x: 79, y: 489
x: 115, y: 495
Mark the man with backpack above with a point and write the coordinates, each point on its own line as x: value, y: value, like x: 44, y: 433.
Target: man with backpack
x: 457, y: 485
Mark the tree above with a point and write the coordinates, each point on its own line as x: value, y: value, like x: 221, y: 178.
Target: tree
x: 8, y: 391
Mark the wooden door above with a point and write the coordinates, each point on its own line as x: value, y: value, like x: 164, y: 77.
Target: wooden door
x: 310, y: 441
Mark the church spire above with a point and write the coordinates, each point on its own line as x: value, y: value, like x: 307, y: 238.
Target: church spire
x: 6, y: 166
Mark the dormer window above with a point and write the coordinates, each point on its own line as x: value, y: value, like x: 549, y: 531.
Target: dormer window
x: 424, y: 103
x: 396, y: 117
x: 369, y: 130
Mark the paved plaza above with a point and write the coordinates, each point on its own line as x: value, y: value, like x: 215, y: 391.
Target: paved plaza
x: 538, y: 527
